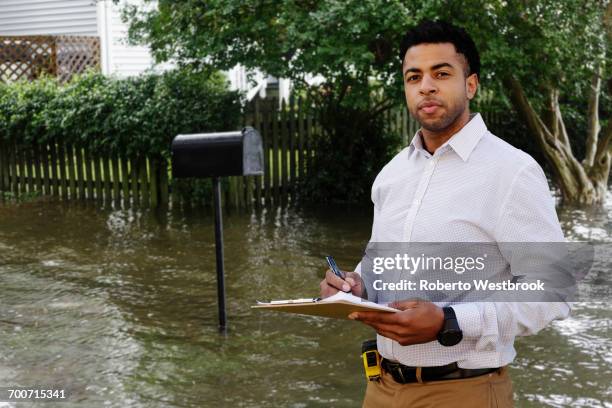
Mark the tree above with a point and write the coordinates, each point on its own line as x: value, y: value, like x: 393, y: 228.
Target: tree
x: 540, y: 57
x: 569, y: 40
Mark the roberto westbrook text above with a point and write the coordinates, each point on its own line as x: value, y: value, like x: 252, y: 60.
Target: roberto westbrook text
x: 476, y: 284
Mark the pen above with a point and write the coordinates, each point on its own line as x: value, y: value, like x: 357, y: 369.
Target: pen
x: 334, y: 267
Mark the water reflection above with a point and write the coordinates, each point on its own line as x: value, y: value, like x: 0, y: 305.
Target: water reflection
x: 120, y: 306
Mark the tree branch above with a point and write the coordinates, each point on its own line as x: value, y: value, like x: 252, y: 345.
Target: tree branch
x: 549, y: 116
x: 344, y: 87
x: 593, y: 126
x: 604, y: 144
x: 530, y: 116
x: 570, y: 173
x: 559, y: 131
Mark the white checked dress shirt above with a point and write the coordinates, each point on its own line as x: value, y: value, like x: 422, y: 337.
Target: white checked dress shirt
x: 474, y: 188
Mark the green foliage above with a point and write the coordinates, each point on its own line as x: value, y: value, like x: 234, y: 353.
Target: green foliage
x: 545, y: 44
x: 22, y: 109
x: 24, y: 197
x: 128, y: 117
x: 343, y: 168
x: 354, y: 44
x: 192, y: 190
x: 351, y: 42
x: 348, y: 42
x: 133, y: 116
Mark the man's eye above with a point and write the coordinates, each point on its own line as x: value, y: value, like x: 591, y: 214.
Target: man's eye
x: 412, y: 78
x: 442, y: 74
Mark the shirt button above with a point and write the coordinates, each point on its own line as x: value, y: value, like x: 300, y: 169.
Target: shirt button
x: 416, y: 201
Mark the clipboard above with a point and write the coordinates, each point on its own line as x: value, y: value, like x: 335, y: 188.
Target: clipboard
x: 338, y: 306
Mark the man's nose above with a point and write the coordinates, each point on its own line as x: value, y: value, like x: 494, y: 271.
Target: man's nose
x: 428, y: 86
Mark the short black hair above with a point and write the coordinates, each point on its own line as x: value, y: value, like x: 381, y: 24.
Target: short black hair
x: 435, y: 32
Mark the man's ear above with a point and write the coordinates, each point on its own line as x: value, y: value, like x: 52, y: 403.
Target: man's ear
x: 471, y: 85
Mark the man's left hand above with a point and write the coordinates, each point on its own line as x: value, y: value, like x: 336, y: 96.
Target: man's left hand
x: 418, y: 322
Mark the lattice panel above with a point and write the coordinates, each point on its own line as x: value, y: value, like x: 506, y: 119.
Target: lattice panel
x: 75, y: 54
x: 27, y: 57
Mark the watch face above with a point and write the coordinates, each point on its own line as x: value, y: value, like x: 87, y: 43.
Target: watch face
x: 450, y: 337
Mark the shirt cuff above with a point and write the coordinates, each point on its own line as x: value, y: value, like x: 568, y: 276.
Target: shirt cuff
x: 469, y: 319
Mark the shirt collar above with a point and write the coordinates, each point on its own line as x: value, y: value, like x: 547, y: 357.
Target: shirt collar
x: 463, y: 142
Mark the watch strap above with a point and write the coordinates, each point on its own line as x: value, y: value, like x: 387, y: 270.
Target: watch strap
x: 449, y: 313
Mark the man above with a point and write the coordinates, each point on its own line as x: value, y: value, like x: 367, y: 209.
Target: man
x: 455, y: 182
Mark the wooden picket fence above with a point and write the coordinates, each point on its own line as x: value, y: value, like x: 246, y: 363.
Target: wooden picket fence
x: 73, y: 173
x: 287, y: 135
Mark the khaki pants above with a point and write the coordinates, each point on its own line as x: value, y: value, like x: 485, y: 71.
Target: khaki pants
x: 492, y: 390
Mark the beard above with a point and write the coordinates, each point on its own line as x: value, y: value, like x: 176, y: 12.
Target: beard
x: 442, y: 122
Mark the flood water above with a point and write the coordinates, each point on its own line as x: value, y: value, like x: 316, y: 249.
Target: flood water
x: 120, y: 307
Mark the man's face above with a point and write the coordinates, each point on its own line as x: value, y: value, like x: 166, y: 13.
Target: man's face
x: 435, y: 84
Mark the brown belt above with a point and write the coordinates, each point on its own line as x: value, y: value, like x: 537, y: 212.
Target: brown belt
x: 404, y: 374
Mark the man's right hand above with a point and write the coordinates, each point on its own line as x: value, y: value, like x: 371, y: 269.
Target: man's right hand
x: 333, y: 284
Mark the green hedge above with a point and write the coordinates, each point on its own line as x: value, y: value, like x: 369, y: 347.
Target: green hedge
x: 111, y: 115
x: 349, y: 153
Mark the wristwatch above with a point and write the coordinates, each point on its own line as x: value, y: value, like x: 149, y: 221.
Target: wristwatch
x: 450, y: 334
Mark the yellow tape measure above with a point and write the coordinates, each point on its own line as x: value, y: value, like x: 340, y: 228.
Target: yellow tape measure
x: 371, y: 360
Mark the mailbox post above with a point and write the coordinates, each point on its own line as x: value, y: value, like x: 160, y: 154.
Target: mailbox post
x: 215, y: 155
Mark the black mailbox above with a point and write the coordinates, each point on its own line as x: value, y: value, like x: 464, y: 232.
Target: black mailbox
x: 218, y: 154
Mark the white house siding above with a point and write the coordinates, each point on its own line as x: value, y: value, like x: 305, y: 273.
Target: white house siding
x: 48, y: 17
x: 78, y: 17
x: 103, y: 18
x: 118, y: 57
